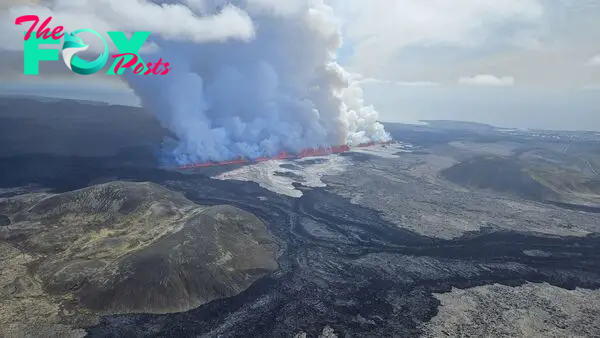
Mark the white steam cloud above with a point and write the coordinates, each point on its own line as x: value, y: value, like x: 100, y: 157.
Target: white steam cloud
x: 249, y: 77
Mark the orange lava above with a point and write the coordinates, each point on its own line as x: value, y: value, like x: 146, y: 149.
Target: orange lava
x: 308, y: 152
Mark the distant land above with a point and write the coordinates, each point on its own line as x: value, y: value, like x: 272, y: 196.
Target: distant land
x: 437, y: 124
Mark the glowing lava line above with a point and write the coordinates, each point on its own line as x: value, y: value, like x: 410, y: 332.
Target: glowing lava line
x: 307, y: 152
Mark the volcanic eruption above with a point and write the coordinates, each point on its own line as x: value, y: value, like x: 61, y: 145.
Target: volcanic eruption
x: 249, y: 78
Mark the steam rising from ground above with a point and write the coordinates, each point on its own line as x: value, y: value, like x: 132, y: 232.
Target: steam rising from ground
x: 249, y: 77
x: 280, y: 89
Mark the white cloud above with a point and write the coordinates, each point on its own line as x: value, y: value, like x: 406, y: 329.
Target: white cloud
x: 595, y: 61
x: 370, y: 81
x: 591, y: 87
x: 379, y: 29
x: 280, y: 7
x: 175, y: 22
x: 487, y: 80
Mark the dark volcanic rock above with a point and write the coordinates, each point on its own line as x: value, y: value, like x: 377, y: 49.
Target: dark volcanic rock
x: 217, y: 253
x: 290, y: 166
x: 127, y: 247
x: 498, y: 174
x: 4, y: 220
x: 310, y: 161
x: 73, y: 128
x: 346, y: 266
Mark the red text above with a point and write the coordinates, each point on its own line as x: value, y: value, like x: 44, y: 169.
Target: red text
x: 138, y: 69
x: 43, y: 31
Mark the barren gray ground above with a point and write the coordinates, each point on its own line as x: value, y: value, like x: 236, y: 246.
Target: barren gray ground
x: 121, y: 247
x: 531, y: 310
x: 461, y: 236
x: 411, y: 193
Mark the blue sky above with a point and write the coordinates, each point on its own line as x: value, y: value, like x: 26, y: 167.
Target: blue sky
x: 514, y: 63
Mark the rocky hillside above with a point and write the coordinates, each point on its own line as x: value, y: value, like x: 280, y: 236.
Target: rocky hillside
x: 122, y: 247
x: 498, y: 174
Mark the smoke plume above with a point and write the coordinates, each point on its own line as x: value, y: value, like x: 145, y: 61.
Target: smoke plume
x: 249, y: 77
